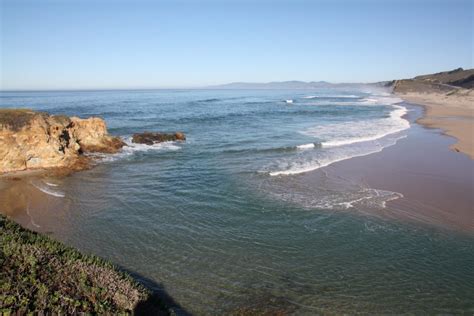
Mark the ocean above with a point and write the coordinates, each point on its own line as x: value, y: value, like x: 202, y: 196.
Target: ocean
x: 227, y: 221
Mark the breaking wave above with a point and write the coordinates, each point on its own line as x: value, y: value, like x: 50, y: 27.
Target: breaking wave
x: 302, y: 165
x: 344, y: 140
x: 340, y: 96
x: 345, y: 133
x: 131, y: 148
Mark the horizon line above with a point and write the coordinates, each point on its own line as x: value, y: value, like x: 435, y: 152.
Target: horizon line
x: 207, y: 87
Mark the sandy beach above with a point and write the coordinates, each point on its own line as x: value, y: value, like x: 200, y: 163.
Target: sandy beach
x: 453, y: 113
x: 436, y: 183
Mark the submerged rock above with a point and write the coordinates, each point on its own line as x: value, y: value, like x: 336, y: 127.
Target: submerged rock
x: 36, y: 140
x: 150, y: 138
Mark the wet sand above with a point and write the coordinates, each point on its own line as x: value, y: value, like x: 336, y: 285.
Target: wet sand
x: 32, y: 208
x: 437, y: 184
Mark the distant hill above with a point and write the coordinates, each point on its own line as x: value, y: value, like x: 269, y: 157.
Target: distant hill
x: 441, y: 82
x: 273, y: 85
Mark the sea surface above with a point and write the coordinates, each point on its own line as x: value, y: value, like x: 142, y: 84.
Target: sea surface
x: 223, y: 222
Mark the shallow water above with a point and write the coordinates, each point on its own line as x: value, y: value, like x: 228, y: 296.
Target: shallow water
x: 223, y: 222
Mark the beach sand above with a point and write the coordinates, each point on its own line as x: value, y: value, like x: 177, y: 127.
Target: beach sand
x: 452, y: 112
x: 436, y: 183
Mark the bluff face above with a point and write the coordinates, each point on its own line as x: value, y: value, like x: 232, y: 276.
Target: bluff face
x: 36, y: 140
x: 442, y: 82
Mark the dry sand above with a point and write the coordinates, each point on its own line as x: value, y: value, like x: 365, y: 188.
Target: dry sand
x: 453, y: 113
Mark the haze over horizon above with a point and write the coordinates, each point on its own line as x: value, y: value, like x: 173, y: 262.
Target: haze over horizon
x: 53, y: 45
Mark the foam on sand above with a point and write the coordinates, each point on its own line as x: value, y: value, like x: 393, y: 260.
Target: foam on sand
x: 47, y: 190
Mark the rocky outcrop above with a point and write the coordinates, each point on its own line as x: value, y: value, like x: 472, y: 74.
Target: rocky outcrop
x: 35, y: 140
x: 150, y: 138
x: 91, y: 135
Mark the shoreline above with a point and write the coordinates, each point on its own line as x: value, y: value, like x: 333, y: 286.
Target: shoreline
x: 432, y: 181
x: 452, y: 113
x: 435, y: 182
x: 18, y: 187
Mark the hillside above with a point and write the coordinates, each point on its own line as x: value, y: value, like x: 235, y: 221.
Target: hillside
x: 441, y: 82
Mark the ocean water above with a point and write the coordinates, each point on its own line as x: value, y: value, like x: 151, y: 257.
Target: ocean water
x: 224, y: 221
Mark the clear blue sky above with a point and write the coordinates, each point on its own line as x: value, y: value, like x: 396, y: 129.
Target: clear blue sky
x: 146, y: 44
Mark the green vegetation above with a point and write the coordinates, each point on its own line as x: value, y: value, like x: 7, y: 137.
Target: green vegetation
x: 16, y: 118
x: 40, y: 275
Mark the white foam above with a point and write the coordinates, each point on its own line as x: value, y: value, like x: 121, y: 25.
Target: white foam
x: 343, y: 196
x: 368, y: 197
x: 335, y: 96
x: 31, y: 217
x: 395, y: 197
x: 132, y: 148
x: 345, y: 140
x: 380, y: 100
x: 346, y: 133
x: 51, y: 184
x: 289, y: 101
x: 296, y: 166
x: 47, y: 190
x: 306, y: 146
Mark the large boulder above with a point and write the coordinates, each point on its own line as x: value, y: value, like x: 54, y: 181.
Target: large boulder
x: 34, y: 140
x: 92, y: 136
x: 150, y: 138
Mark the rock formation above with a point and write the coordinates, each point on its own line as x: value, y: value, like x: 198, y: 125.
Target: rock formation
x: 35, y: 140
x: 91, y: 135
x: 150, y: 138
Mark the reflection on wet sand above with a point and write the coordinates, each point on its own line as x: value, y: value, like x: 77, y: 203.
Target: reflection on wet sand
x: 32, y: 200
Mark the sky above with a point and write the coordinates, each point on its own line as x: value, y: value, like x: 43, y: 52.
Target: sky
x: 71, y: 44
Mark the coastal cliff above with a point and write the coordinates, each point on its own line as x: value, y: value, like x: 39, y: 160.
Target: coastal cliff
x: 441, y: 82
x: 448, y: 98
x: 37, y: 140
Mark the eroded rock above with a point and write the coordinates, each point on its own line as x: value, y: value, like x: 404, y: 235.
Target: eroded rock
x: 34, y: 140
x: 92, y: 136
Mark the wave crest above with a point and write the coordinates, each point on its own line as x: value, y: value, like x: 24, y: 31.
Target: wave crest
x: 348, y: 139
